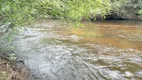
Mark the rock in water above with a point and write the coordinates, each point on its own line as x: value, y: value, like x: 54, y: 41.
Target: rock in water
x: 74, y: 38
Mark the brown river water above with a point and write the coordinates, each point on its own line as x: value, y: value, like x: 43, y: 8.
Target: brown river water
x: 101, y: 50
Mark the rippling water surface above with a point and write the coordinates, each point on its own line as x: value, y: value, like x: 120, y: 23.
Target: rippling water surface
x: 102, y: 50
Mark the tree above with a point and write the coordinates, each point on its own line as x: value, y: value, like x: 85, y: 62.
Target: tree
x: 20, y: 12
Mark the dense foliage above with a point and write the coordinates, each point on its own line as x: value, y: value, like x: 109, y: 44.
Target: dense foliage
x: 17, y: 12
x: 131, y: 9
x: 118, y: 5
x: 20, y: 12
x: 135, y: 5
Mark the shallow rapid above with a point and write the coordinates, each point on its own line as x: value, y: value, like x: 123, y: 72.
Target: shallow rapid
x: 103, y: 50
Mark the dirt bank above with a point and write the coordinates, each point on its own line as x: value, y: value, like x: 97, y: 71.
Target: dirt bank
x: 10, y: 70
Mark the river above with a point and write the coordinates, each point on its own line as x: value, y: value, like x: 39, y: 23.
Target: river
x: 101, y: 50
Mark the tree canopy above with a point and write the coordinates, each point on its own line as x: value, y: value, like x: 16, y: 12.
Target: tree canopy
x: 19, y: 12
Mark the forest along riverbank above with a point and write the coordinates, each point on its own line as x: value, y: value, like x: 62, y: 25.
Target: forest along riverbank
x: 102, y: 50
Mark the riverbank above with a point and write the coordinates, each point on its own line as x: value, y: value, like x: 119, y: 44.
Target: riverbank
x: 11, y: 69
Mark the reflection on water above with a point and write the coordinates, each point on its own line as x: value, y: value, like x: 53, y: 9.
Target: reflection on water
x: 120, y: 34
x: 103, y: 50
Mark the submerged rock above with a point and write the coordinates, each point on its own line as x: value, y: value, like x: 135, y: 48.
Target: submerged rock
x: 74, y: 38
x: 128, y: 74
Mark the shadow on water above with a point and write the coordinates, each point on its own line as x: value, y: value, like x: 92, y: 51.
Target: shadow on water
x: 103, y: 50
